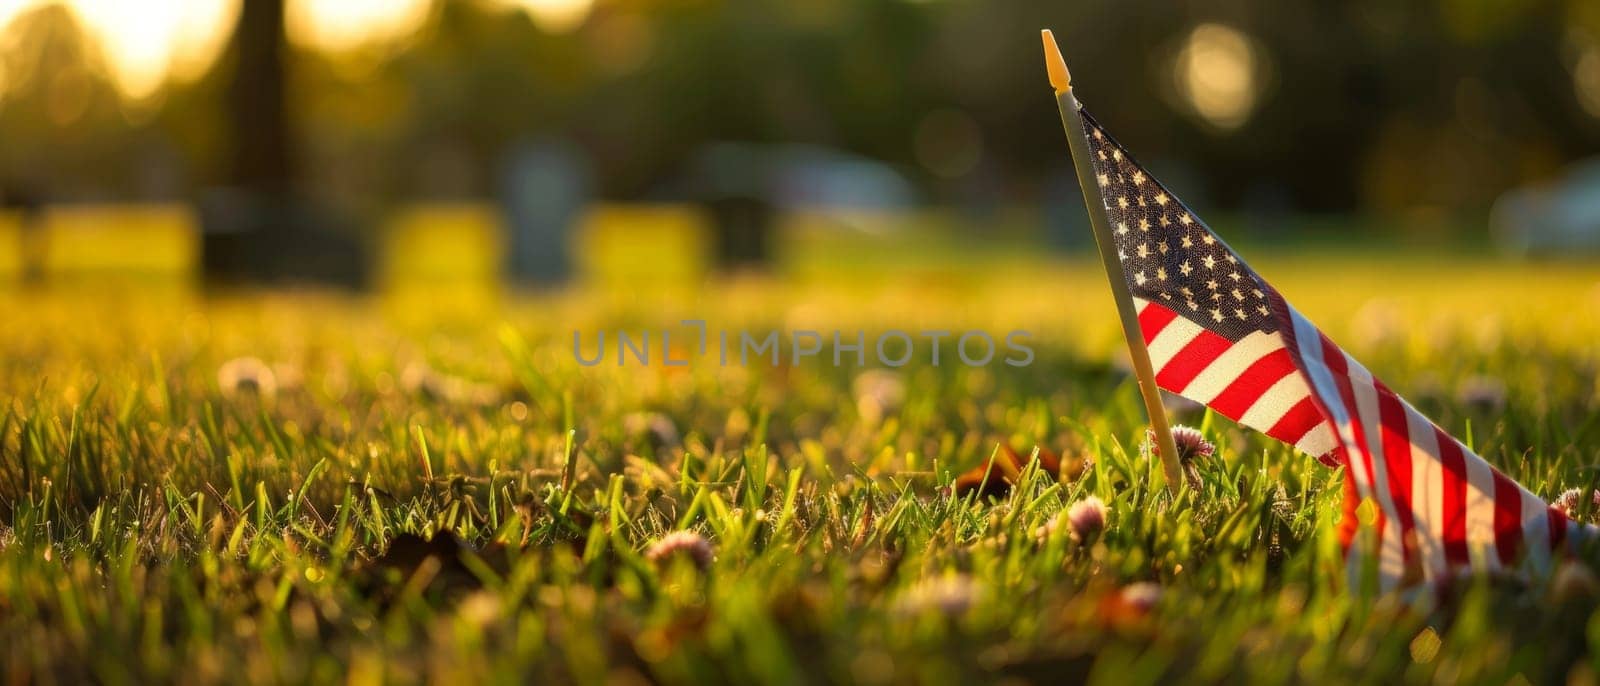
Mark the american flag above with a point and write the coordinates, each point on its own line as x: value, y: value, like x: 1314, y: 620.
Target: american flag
x: 1220, y: 335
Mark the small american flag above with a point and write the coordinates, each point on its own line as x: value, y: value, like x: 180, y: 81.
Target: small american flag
x: 1220, y: 335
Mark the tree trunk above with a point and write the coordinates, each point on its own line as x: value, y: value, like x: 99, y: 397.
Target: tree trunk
x: 257, y: 105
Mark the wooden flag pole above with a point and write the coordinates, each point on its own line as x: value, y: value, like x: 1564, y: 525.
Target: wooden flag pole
x: 1061, y: 80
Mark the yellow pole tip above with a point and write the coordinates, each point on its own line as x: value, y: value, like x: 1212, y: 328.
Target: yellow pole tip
x: 1060, y: 78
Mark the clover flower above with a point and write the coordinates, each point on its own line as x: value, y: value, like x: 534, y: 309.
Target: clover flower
x: 685, y: 543
x: 1087, y: 518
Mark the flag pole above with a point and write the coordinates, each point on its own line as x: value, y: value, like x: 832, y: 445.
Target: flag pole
x: 1061, y: 80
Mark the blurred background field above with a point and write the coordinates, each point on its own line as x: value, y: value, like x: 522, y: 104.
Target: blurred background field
x: 318, y: 140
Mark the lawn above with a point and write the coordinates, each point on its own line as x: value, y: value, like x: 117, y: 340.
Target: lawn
x: 239, y: 487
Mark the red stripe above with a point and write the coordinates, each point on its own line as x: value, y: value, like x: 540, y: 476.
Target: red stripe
x: 1297, y: 422
x: 1507, y: 518
x: 1396, y: 438
x: 1453, y: 503
x: 1256, y: 380
x: 1153, y: 318
x: 1334, y: 358
x: 1558, y: 527
x: 1195, y: 356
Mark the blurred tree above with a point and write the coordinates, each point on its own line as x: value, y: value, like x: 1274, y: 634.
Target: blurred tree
x: 64, y: 132
x: 260, y: 145
x: 258, y: 226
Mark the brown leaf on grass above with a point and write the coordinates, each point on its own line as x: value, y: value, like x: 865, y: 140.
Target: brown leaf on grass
x: 441, y: 567
x: 994, y: 478
x: 1128, y: 608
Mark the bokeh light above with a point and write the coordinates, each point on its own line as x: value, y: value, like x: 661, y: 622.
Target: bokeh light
x: 342, y: 25
x: 145, y: 43
x: 556, y: 16
x: 1218, y: 73
x: 1586, y: 80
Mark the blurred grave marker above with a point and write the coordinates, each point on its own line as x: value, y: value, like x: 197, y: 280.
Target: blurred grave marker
x: 435, y: 244
x: 146, y: 240
x: 1066, y: 227
x: 733, y: 183
x: 22, y: 227
x: 643, y: 245
x: 545, y: 188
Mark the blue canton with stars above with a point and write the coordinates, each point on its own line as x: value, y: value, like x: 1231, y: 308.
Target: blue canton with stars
x: 1168, y: 255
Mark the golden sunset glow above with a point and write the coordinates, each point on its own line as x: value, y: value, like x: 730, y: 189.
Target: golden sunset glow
x: 558, y: 16
x: 145, y: 43
x: 338, y: 25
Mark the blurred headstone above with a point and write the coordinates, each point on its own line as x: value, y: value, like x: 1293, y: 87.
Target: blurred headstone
x: 250, y: 236
x: 33, y: 245
x: 546, y: 187
x: 1066, y: 224
x: 734, y: 184
x: 1556, y: 218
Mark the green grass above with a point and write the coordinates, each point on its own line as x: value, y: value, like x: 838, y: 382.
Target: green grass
x: 157, y: 524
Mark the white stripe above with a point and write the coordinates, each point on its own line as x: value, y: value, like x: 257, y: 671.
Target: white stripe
x: 1318, y: 441
x: 1392, y: 563
x: 1230, y: 364
x: 1166, y: 344
x: 1275, y: 403
x: 1427, y: 493
x: 1309, y: 340
x: 1480, y: 513
x: 1535, y: 531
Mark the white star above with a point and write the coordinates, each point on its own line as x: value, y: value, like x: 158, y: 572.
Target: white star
x: 1144, y: 250
x: 1211, y: 262
x: 1185, y: 220
x: 1237, y: 294
x: 1138, y: 277
x: 1161, y: 273
x: 1216, y: 314
x: 1122, y: 228
x: 1187, y: 243
x: 1161, y: 199
x: 1185, y: 268
x: 1138, y: 178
